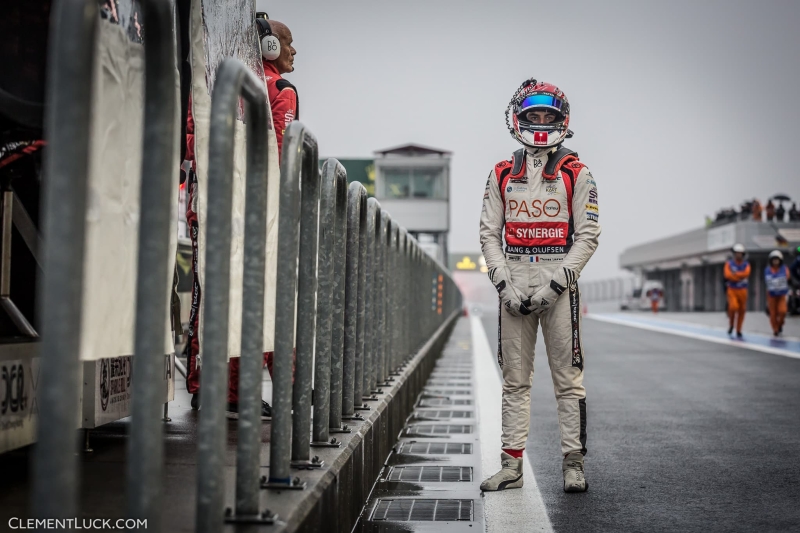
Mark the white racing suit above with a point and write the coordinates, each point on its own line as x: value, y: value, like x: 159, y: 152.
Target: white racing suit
x: 551, y: 230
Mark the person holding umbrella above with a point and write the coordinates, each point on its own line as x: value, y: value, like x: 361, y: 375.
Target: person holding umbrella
x: 780, y: 213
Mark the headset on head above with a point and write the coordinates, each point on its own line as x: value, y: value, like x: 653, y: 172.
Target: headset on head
x: 270, y: 45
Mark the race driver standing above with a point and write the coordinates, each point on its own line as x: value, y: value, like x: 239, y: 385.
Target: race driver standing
x: 544, y: 203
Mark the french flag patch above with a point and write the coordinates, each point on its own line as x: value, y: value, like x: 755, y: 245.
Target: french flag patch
x: 539, y: 137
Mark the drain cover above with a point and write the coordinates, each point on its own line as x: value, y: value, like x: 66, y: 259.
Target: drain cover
x: 456, y: 392
x: 431, y: 474
x: 436, y: 415
x: 447, y: 383
x: 438, y: 429
x: 418, y: 510
x: 435, y: 448
x: 437, y: 402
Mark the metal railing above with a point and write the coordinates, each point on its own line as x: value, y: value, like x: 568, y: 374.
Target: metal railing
x: 233, y: 80
x: 356, y: 296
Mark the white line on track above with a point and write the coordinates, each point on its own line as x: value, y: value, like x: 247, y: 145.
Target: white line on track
x: 509, y: 510
x: 726, y: 342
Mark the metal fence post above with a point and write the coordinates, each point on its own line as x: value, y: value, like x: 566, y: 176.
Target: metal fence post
x: 306, y: 312
x: 400, y: 299
x: 356, y: 199
x: 160, y: 143
x: 371, y: 317
x: 70, y: 57
x: 297, y: 143
x: 333, y: 178
x: 381, y: 341
x: 404, y: 288
x: 391, y: 301
x: 248, y: 447
x: 337, y: 320
x: 233, y: 79
x: 359, y: 390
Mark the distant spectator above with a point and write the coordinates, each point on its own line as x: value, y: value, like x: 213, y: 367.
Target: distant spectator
x: 770, y: 211
x: 794, y: 214
x: 757, y: 210
x: 780, y: 213
x: 747, y: 209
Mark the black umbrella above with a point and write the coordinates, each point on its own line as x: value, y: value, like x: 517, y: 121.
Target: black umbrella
x: 781, y: 198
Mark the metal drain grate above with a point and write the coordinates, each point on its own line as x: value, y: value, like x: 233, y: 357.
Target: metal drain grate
x: 431, y: 474
x: 418, y: 510
x: 435, y: 448
x: 438, y: 429
x: 447, y: 392
x: 448, y: 383
x: 436, y: 415
x: 439, y: 402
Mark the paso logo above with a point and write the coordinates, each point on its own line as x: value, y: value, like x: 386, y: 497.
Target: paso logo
x: 535, y: 209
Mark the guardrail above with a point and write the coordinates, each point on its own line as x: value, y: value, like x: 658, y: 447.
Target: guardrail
x: 233, y: 80
x: 366, y: 296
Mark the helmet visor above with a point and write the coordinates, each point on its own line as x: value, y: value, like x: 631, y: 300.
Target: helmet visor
x: 541, y: 100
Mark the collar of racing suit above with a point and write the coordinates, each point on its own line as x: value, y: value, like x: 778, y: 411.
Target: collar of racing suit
x: 540, y: 152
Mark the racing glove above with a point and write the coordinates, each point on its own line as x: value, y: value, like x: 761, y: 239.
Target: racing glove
x: 511, y: 298
x: 543, y: 300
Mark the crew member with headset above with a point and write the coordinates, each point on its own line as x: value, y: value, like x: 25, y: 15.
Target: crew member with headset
x: 277, y: 54
x: 737, y: 270
x: 278, y: 58
x: 776, y: 279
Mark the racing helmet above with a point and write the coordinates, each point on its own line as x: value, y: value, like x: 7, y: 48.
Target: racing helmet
x: 738, y: 248
x: 775, y: 254
x: 535, y: 95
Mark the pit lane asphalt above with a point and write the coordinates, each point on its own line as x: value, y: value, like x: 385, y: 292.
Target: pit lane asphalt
x: 683, y: 435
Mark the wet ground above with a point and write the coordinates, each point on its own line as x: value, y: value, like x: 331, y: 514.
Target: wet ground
x: 684, y: 434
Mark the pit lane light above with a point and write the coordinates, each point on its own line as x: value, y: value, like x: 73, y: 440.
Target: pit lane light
x: 466, y: 264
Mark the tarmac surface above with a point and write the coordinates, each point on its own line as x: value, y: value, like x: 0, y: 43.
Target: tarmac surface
x: 683, y: 434
x: 687, y: 432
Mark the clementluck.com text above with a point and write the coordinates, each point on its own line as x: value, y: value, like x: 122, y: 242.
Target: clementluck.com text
x: 69, y: 524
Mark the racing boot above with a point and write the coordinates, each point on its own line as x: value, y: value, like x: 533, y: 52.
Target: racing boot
x: 509, y: 477
x: 572, y: 466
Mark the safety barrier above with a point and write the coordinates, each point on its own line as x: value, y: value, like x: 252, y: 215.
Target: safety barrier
x: 234, y: 79
x: 357, y: 298
x: 71, y: 55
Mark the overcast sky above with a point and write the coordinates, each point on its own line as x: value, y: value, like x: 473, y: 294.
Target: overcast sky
x: 678, y: 107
